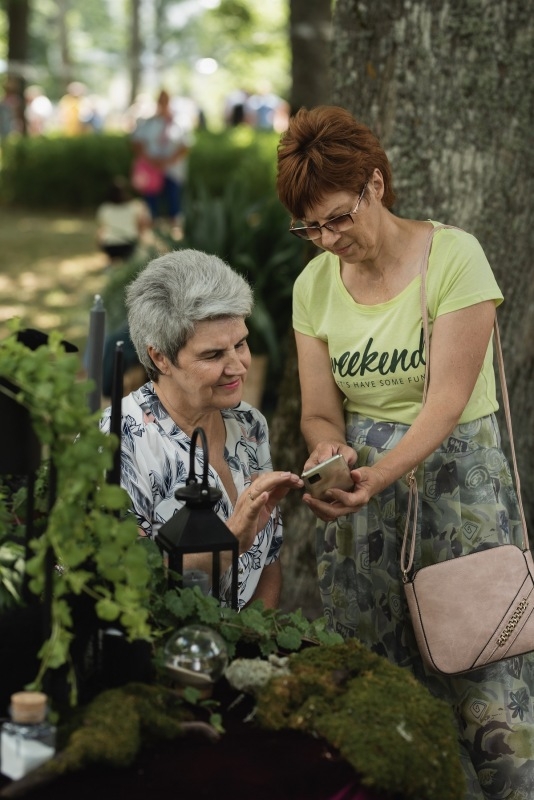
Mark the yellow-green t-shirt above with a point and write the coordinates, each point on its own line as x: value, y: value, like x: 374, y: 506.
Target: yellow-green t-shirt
x: 377, y: 352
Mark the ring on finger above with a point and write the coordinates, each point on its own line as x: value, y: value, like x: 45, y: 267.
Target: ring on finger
x: 252, y: 498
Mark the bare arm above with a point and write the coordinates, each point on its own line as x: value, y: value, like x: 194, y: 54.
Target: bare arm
x: 322, y: 420
x: 459, y: 343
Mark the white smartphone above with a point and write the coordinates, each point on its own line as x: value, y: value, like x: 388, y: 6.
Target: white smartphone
x: 334, y: 473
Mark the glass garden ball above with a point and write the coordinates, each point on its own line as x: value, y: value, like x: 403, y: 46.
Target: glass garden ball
x: 196, y: 656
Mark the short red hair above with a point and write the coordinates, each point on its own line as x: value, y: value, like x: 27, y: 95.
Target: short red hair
x: 326, y: 150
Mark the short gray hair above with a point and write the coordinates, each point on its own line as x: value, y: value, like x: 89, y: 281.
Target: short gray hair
x: 174, y: 292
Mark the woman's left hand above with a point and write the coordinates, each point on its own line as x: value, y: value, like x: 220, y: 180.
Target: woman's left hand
x: 368, y: 481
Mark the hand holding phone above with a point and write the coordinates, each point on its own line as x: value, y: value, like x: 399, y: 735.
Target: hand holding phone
x: 334, y: 473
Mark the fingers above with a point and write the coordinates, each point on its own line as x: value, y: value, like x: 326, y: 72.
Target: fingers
x: 325, y: 450
x: 269, y: 481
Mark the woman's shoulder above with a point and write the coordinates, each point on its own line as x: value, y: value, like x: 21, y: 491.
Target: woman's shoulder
x: 455, y: 238
x: 320, y: 265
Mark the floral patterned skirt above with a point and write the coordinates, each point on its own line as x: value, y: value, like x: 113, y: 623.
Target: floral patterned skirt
x: 467, y: 502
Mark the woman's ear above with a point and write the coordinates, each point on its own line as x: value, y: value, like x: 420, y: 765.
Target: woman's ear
x: 158, y: 359
x: 376, y: 184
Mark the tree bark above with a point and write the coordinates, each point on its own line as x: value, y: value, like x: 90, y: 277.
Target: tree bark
x: 135, y: 49
x: 18, y: 14
x: 310, y: 30
x: 446, y: 88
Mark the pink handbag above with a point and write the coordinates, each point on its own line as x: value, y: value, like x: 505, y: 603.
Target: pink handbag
x: 473, y: 610
x: 146, y: 178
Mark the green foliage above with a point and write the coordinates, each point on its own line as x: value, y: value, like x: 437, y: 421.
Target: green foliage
x: 396, y: 735
x: 269, y: 630
x: 239, y: 153
x: 74, y: 172
x: 87, y: 532
x: 63, y: 172
x: 11, y: 574
x: 113, y: 293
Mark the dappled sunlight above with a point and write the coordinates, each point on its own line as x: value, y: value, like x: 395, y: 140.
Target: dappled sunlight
x: 10, y: 311
x: 31, y: 282
x: 67, y: 225
x: 51, y: 272
x: 76, y: 267
x: 45, y: 320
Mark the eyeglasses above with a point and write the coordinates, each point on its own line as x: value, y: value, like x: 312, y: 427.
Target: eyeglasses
x: 334, y: 225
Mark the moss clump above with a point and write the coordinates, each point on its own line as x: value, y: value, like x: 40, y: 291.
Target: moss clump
x: 397, y: 736
x: 114, y: 726
x: 110, y: 731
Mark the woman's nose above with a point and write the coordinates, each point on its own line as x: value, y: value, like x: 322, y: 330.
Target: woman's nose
x: 234, y: 363
x: 329, y: 237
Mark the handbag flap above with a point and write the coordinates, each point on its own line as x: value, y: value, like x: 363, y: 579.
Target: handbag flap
x: 470, y: 610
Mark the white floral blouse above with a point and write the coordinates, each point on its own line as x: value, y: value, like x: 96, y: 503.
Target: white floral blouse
x: 155, y: 462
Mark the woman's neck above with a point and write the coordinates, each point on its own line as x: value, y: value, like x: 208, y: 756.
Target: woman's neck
x: 188, y: 419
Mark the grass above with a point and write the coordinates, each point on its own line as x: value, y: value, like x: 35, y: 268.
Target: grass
x: 50, y: 271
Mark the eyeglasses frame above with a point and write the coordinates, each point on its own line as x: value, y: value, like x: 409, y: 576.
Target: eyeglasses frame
x: 296, y: 231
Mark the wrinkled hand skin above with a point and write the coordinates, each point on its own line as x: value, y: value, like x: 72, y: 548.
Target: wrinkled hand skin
x: 255, y: 505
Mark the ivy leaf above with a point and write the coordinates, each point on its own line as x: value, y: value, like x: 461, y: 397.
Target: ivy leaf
x: 216, y: 722
x: 289, y: 638
x: 180, y: 604
x: 78, y: 579
x: 107, y: 609
x: 191, y: 695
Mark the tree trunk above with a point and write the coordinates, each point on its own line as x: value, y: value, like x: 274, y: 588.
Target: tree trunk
x: 446, y: 88
x: 135, y: 49
x: 63, y: 7
x: 310, y: 28
x: 18, y: 13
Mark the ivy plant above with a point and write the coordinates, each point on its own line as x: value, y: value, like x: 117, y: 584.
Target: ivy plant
x: 88, y: 534
x: 90, y: 538
x: 269, y: 630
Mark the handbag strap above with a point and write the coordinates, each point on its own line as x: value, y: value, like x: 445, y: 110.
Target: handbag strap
x: 406, y: 566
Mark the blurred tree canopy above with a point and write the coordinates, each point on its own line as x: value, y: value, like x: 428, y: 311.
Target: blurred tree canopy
x: 207, y: 47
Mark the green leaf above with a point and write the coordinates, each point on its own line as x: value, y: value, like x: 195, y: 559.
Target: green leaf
x: 107, y: 609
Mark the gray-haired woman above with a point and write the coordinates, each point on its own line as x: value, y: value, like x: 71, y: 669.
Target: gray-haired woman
x: 186, y: 314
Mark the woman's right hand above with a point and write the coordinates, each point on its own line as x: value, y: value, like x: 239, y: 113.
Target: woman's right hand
x: 255, y: 505
x: 327, y: 449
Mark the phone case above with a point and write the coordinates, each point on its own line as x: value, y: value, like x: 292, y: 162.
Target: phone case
x: 333, y: 473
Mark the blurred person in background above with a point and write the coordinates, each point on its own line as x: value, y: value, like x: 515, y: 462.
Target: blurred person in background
x: 265, y: 110
x: 38, y: 111
x: 11, y: 108
x: 69, y: 109
x: 165, y: 143
x: 122, y: 221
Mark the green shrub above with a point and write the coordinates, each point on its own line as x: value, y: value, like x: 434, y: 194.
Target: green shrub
x: 62, y: 172
x: 73, y: 172
x: 240, y: 153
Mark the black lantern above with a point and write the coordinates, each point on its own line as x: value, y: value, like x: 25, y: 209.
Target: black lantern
x: 196, y: 528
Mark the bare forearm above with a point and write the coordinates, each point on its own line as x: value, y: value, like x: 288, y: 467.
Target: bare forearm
x: 427, y: 433
x: 319, y: 429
